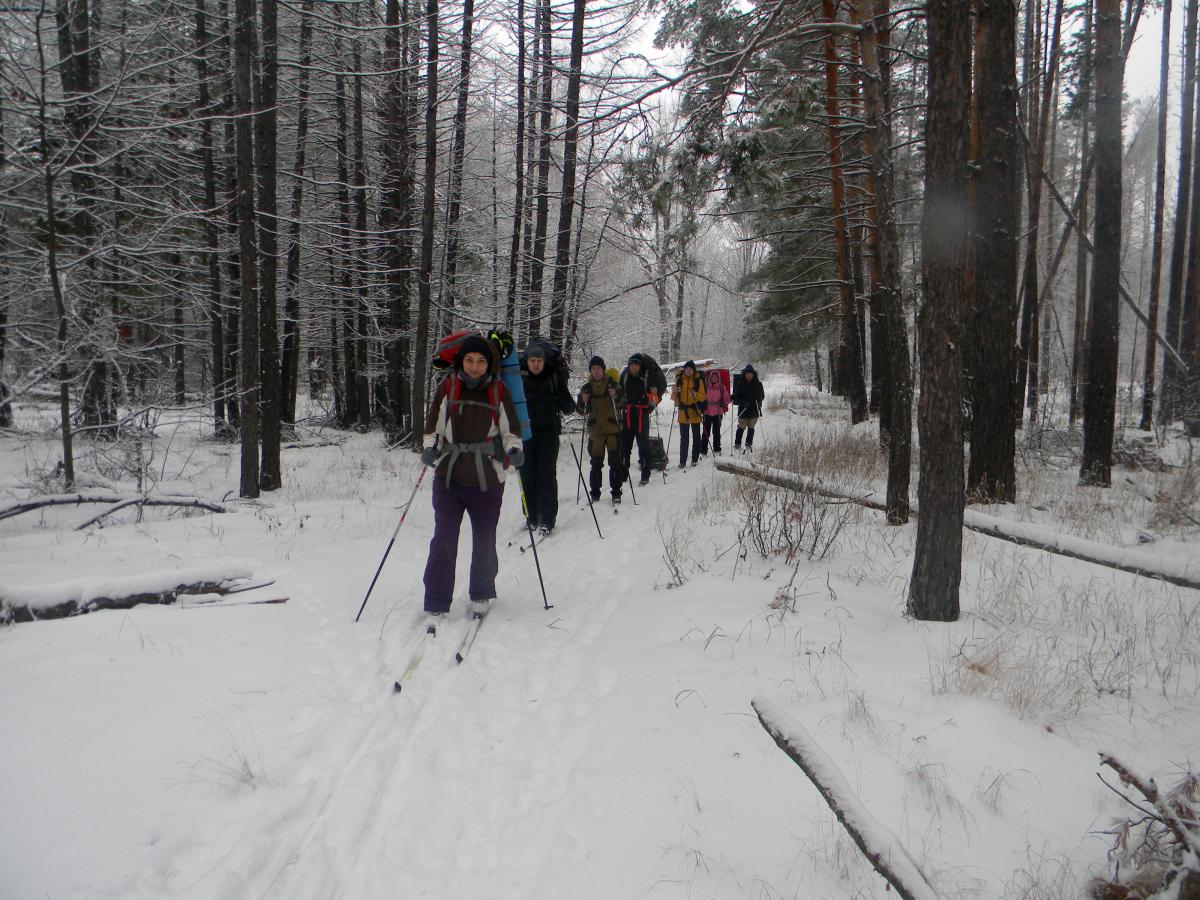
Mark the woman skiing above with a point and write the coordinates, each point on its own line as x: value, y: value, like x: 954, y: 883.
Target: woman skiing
x: 471, y: 438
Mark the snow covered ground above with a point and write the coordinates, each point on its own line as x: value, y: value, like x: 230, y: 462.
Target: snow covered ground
x: 605, y: 748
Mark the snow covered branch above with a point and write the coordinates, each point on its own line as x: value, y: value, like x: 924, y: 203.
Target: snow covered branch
x: 119, y: 501
x: 879, y: 845
x: 83, y: 595
x: 1175, y: 570
x: 1149, y: 789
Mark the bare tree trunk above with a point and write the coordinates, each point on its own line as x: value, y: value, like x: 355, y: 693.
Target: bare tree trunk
x: 79, y: 65
x: 541, y: 223
x: 992, y: 323
x: 1183, y: 213
x: 212, y: 253
x: 1027, y: 368
x: 514, y: 251
x: 566, y: 211
x: 289, y: 369
x: 1160, y: 180
x: 425, y: 272
x: 395, y: 211
x: 851, y: 348
x: 1079, y: 328
x: 933, y: 591
x: 898, y: 386
x: 362, y: 260
x: 350, y: 395
x: 244, y: 53
x: 457, y: 156
x: 52, y: 270
x: 270, y: 476
x: 1100, y: 403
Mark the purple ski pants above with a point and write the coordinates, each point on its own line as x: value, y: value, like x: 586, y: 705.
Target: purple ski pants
x: 449, y: 504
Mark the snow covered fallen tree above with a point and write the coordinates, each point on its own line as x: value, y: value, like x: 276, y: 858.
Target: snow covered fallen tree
x: 117, y: 501
x: 60, y: 599
x: 1175, y: 570
x: 879, y: 845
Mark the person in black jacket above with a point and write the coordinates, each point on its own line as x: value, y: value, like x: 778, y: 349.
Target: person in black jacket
x: 547, y: 397
x: 748, y: 397
x: 641, y: 397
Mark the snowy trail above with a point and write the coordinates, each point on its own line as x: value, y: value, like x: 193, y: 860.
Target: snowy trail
x: 466, y: 784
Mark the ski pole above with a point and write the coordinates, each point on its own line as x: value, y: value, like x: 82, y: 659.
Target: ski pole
x: 588, y: 494
x: 403, y: 515
x: 582, y: 438
x: 533, y: 543
x: 624, y: 460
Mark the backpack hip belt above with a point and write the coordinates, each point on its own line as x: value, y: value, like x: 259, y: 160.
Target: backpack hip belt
x: 492, y: 449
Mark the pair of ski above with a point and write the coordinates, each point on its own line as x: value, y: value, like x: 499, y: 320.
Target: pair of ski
x: 431, y: 629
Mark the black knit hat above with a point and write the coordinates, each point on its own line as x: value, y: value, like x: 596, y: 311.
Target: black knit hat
x: 690, y: 364
x: 535, y: 351
x: 596, y: 361
x: 475, y: 343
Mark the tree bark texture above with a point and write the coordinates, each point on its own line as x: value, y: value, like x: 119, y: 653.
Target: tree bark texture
x: 1099, y: 410
x: 514, y: 250
x: 211, y: 242
x: 992, y: 317
x: 933, y: 590
x: 425, y: 269
x: 851, y: 347
x: 1183, y: 200
x: 566, y: 210
x: 289, y: 367
x: 395, y: 210
x: 244, y: 53
x: 537, y: 264
x: 458, y: 146
x: 898, y: 384
x: 270, y: 473
x: 1150, y: 369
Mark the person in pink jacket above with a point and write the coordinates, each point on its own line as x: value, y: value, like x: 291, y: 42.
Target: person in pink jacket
x: 716, y: 404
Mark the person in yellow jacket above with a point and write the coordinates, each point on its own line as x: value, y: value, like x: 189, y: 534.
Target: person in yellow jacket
x: 688, y: 394
x: 601, y: 399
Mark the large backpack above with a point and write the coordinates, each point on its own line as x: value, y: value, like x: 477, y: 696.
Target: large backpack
x: 658, y: 454
x: 447, y: 349
x: 556, y: 363
x: 655, y: 378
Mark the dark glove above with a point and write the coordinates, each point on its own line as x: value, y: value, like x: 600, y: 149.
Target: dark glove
x: 516, y: 457
x: 429, y: 456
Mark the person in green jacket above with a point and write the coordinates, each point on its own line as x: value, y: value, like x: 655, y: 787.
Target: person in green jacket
x: 600, y: 399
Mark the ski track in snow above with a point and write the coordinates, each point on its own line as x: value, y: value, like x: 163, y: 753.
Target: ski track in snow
x: 459, y: 781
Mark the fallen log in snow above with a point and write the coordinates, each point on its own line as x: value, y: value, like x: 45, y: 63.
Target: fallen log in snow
x: 83, y: 595
x: 120, y: 501
x: 878, y: 844
x: 1183, y: 571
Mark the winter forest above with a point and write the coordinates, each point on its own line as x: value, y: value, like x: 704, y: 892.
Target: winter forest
x: 937, y: 631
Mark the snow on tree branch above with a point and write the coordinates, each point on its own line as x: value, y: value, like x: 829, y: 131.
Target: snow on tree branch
x: 879, y: 845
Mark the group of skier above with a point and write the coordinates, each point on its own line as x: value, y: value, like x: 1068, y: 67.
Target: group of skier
x: 472, y: 438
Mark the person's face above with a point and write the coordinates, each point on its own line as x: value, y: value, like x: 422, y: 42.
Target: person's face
x: 597, y: 372
x: 689, y: 372
x: 536, y: 364
x: 634, y: 367
x: 749, y: 376
x: 475, y: 365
